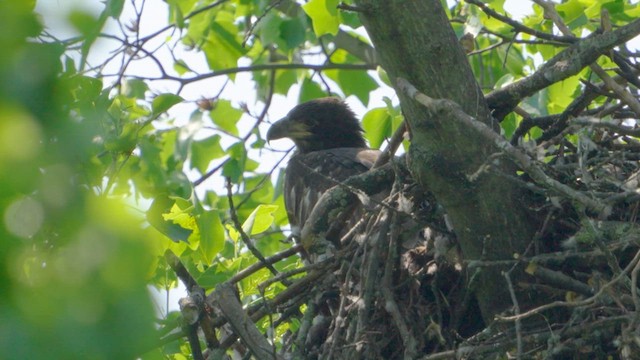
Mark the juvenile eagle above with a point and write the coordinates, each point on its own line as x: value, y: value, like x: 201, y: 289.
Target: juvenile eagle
x: 330, y: 148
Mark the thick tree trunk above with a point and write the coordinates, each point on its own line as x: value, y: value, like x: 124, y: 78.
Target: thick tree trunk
x: 489, y: 212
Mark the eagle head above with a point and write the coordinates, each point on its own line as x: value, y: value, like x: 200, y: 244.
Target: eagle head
x: 319, y: 124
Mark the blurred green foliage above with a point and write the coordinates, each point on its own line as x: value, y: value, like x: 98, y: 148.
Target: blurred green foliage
x: 74, y: 264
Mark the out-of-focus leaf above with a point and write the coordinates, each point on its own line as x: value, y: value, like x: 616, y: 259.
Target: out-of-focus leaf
x: 310, y: 90
x: 357, y: 83
x: 235, y: 165
x: 135, y: 88
x: 382, y: 74
x: 226, y: 116
x: 292, y: 32
x: 223, y: 47
x: 114, y: 8
x: 284, y: 81
x: 164, y: 102
x: 205, y: 150
x: 324, y: 15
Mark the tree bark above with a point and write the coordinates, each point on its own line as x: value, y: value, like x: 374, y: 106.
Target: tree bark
x: 489, y: 213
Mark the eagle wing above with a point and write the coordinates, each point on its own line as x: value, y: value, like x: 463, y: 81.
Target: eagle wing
x: 309, y: 175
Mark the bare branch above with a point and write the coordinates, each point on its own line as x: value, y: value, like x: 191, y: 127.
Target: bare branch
x: 519, y: 157
x: 567, y: 63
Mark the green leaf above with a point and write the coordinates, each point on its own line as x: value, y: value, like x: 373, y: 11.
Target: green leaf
x: 211, y: 234
x: 86, y: 89
x: 284, y: 81
x: 292, y: 32
x: 310, y: 90
x: 135, y: 88
x: 181, y: 67
x: 162, y: 204
x: 113, y: 8
x: 377, y: 126
x: 164, y: 102
x: 561, y: 94
x: 85, y: 23
x: 233, y: 169
x: 235, y: 166
x: 205, y: 150
x: 226, y: 116
x: 223, y: 47
x: 324, y: 15
x: 269, y: 28
x: 573, y: 13
x: 384, y: 77
x: 260, y: 220
x: 357, y: 83
x: 509, y: 125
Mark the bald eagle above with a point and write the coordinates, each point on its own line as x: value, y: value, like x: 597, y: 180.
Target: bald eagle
x: 330, y: 148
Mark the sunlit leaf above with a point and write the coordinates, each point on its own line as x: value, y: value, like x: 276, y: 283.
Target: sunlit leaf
x: 160, y: 206
x: 260, y: 220
x: 226, y: 116
x: 324, y: 16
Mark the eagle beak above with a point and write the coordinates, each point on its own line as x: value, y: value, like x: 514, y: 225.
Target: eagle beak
x: 287, y: 128
x: 279, y: 129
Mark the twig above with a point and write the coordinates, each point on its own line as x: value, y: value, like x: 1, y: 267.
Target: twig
x: 516, y: 311
x: 574, y: 304
x: 394, y: 144
x: 391, y: 306
x: 259, y: 265
x: 518, y: 27
x: 245, y: 238
x: 624, y: 95
x: 567, y: 63
x: 518, y: 156
x: 228, y: 303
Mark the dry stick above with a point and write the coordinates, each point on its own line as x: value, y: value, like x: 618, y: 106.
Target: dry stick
x: 193, y: 287
x: 390, y: 304
x: 518, y: 156
x: 550, y: 10
x: 465, y: 351
x: 520, y: 27
x: 226, y: 299
x: 634, y: 294
x: 371, y: 271
x: 558, y: 279
x: 394, y: 143
x: 258, y: 311
x: 245, y: 238
x: 340, y: 315
x: 595, y: 122
x: 270, y: 260
x: 585, y: 302
x: 516, y: 310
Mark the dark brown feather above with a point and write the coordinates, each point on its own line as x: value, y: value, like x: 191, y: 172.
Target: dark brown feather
x: 330, y: 148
